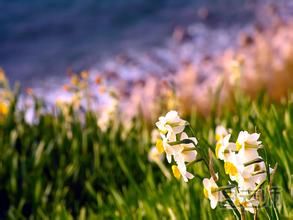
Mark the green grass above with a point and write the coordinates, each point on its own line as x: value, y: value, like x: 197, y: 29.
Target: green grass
x: 65, y: 167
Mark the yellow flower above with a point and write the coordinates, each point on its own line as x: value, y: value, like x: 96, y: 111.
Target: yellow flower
x: 230, y: 169
x: 3, y: 109
x: 180, y: 169
x: 176, y: 172
x: 159, y: 146
x: 221, y: 132
x: 206, y: 193
x: 210, y: 191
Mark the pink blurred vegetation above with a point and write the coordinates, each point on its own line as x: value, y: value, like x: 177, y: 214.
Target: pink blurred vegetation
x: 260, y: 62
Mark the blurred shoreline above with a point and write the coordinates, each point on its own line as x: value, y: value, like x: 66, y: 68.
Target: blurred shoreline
x: 191, y: 64
x: 42, y: 41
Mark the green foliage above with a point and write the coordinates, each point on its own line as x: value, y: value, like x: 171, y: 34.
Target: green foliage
x: 64, y: 167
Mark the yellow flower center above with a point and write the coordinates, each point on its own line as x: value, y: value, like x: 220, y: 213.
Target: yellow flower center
x: 218, y: 145
x: 230, y: 169
x: 252, y: 146
x: 237, y: 202
x: 3, y: 109
x: 205, y: 192
x: 246, y: 145
x: 176, y: 172
x: 218, y: 137
x: 159, y: 146
x: 238, y: 146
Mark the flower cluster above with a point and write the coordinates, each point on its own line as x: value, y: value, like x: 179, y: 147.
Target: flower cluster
x: 176, y: 144
x: 243, y: 164
x: 245, y: 169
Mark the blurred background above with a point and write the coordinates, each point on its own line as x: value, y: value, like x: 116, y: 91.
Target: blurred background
x: 126, y: 42
x: 43, y: 39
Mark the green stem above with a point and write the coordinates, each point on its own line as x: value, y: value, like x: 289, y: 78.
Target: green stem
x: 221, y: 188
x: 242, y: 211
x: 257, y: 188
x: 255, y: 216
x: 235, y: 210
x: 206, y: 161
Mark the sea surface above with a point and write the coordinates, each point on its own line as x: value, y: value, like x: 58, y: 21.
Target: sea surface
x: 40, y: 40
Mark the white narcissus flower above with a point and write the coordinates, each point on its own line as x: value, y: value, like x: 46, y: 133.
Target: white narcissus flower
x: 238, y: 172
x: 210, y: 191
x: 259, y: 172
x: 247, y: 177
x: 183, y: 153
x: 155, y: 135
x: 247, y: 145
x: 170, y: 150
x: 108, y: 113
x: 221, y: 132
x: 171, y: 123
x: 180, y: 169
x: 241, y: 199
x: 188, y: 152
x: 154, y: 155
x: 233, y: 167
x: 253, y: 175
x: 224, y: 148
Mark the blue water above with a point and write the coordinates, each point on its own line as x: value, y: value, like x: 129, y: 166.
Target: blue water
x: 43, y: 38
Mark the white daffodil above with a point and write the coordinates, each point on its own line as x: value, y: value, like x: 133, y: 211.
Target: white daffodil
x: 180, y: 169
x: 170, y: 150
x: 259, y: 172
x: 255, y: 174
x: 157, y: 157
x: 188, y: 152
x: 240, y: 173
x: 183, y: 153
x: 155, y: 135
x: 240, y: 198
x: 224, y: 148
x: 247, y: 145
x: 247, y: 177
x: 108, y: 113
x: 221, y: 132
x: 154, y: 155
x: 233, y: 167
x: 171, y: 123
x: 210, y: 191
